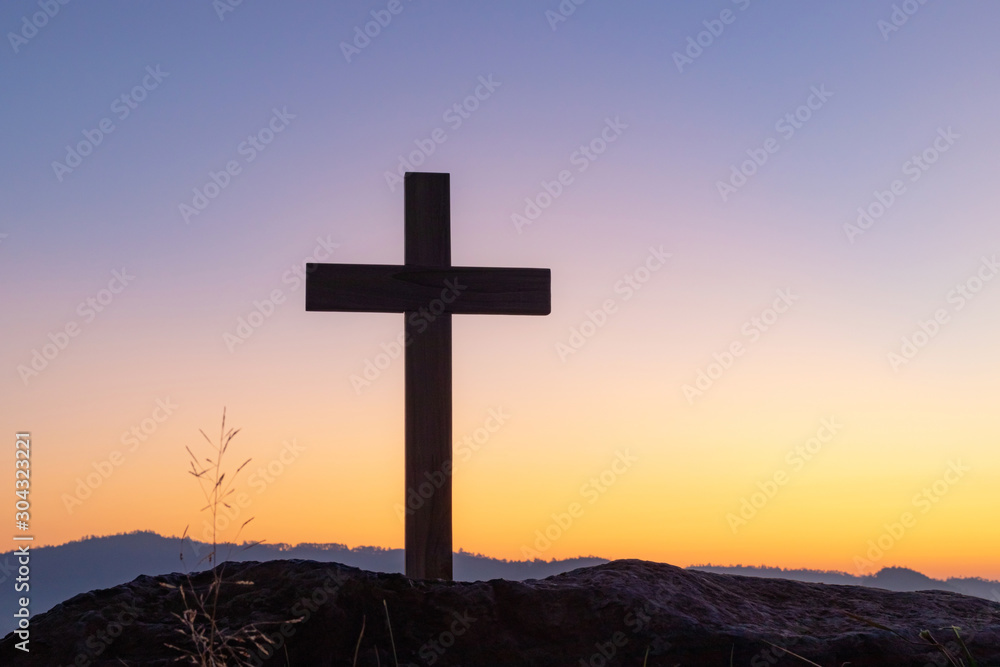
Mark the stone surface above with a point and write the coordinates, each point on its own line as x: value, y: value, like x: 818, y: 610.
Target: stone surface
x: 605, y: 615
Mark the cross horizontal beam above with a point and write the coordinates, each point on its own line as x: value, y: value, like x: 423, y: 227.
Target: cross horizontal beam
x: 389, y: 288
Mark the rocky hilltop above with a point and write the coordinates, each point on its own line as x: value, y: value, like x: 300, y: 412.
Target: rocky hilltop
x: 611, y: 614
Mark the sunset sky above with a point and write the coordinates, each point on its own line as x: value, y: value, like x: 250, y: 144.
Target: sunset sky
x: 772, y: 229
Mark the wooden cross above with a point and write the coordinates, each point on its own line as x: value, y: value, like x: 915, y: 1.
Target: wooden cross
x: 428, y: 290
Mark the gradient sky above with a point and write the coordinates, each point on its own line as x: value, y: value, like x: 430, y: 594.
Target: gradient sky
x: 904, y: 468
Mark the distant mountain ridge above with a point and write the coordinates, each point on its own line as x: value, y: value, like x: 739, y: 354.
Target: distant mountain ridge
x: 60, y: 572
x: 900, y: 579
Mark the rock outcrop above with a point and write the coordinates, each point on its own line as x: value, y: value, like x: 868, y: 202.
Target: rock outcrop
x: 612, y: 614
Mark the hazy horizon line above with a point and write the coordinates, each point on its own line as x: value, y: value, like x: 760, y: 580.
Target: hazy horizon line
x: 363, y: 548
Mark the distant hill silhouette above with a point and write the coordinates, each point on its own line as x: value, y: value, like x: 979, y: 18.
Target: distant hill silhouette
x: 58, y: 573
x: 899, y: 579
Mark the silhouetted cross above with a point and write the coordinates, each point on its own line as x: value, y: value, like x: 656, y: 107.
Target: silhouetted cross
x: 428, y: 289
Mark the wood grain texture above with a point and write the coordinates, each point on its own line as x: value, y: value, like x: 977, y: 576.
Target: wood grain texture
x: 428, y: 377
x: 428, y: 393
x: 427, y: 219
x: 461, y: 290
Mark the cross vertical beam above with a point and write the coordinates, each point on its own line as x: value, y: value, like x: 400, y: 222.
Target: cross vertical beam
x: 428, y: 538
